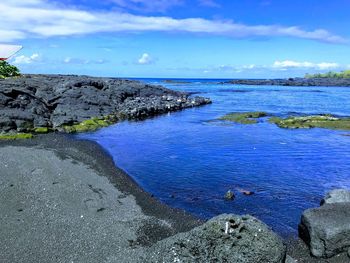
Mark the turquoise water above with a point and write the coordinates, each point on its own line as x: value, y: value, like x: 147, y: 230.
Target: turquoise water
x: 189, y: 161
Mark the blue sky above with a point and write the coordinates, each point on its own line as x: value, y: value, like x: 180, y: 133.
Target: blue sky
x: 178, y: 38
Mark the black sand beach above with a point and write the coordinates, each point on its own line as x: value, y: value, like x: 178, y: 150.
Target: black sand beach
x: 63, y: 200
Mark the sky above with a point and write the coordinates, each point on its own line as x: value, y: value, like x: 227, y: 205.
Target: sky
x: 178, y: 38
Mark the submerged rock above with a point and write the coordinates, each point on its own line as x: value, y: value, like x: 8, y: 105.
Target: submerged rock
x: 229, y: 195
x: 226, y: 238
x: 244, y: 117
x: 327, y: 229
x: 326, y: 121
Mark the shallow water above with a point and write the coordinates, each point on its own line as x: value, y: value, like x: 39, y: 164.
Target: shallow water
x: 188, y: 161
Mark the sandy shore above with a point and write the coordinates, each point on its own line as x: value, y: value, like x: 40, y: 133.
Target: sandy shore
x: 63, y: 200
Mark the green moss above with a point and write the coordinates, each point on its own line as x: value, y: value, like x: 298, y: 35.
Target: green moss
x: 244, y: 118
x: 89, y: 125
x: 42, y: 130
x: 312, y: 121
x: 17, y: 136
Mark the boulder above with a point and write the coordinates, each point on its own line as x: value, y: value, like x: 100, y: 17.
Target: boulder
x: 336, y: 196
x: 226, y: 238
x: 326, y: 229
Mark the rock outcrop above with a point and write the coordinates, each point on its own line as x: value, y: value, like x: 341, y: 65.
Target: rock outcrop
x: 327, y: 229
x: 51, y: 101
x: 336, y: 196
x: 226, y: 238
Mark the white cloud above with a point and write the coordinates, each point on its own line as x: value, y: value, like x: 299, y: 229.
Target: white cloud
x: 148, y: 5
x: 278, y: 66
x: 288, y: 64
x: 251, y: 66
x: 145, y: 59
x: 26, y: 59
x: 38, y: 18
x: 80, y: 61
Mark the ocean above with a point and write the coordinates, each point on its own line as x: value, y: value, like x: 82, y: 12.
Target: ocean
x: 189, y: 159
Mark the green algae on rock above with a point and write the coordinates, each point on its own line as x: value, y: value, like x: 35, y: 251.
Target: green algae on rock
x: 42, y: 130
x: 326, y: 121
x: 244, y: 117
x: 15, y: 136
x: 89, y: 125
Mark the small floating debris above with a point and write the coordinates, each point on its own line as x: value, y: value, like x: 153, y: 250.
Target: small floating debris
x: 230, y: 196
x: 245, y: 192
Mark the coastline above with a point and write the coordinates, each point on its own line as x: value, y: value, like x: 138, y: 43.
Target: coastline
x: 131, y: 228
x: 296, y: 82
x: 152, y: 220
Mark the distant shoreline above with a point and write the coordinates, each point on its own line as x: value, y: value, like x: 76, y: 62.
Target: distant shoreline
x: 298, y: 82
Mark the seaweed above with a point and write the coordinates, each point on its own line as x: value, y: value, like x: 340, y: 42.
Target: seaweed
x: 326, y: 121
x: 15, y: 136
x: 244, y: 117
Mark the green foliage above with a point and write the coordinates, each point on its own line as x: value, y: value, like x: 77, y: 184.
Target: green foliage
x: 7, y: 70
x: 244, y: 118
x: 335, y: 75
x: 16, y: 136
x: 314, y: 121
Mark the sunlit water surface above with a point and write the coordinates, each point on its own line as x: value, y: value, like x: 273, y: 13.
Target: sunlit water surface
x: 188, y: 161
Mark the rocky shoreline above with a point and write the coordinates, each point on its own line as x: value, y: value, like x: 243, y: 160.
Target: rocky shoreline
x: 63, y: 200
x: 309, y: 82
x: 41, y: 103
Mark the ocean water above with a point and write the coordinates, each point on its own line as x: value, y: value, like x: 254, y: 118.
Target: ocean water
x: 189, y: 161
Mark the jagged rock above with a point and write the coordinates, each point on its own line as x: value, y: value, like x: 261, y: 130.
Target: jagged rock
x: 226, y: 238
x: 289, y: 259
x: 51, y: 101
x: 336, y: 196
x: 326, y: 229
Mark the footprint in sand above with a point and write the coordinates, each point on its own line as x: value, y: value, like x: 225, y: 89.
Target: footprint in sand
x: 96, y: 202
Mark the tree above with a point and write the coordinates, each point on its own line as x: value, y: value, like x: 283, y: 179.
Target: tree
x: 330, y: 74
x: 7, y: 70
